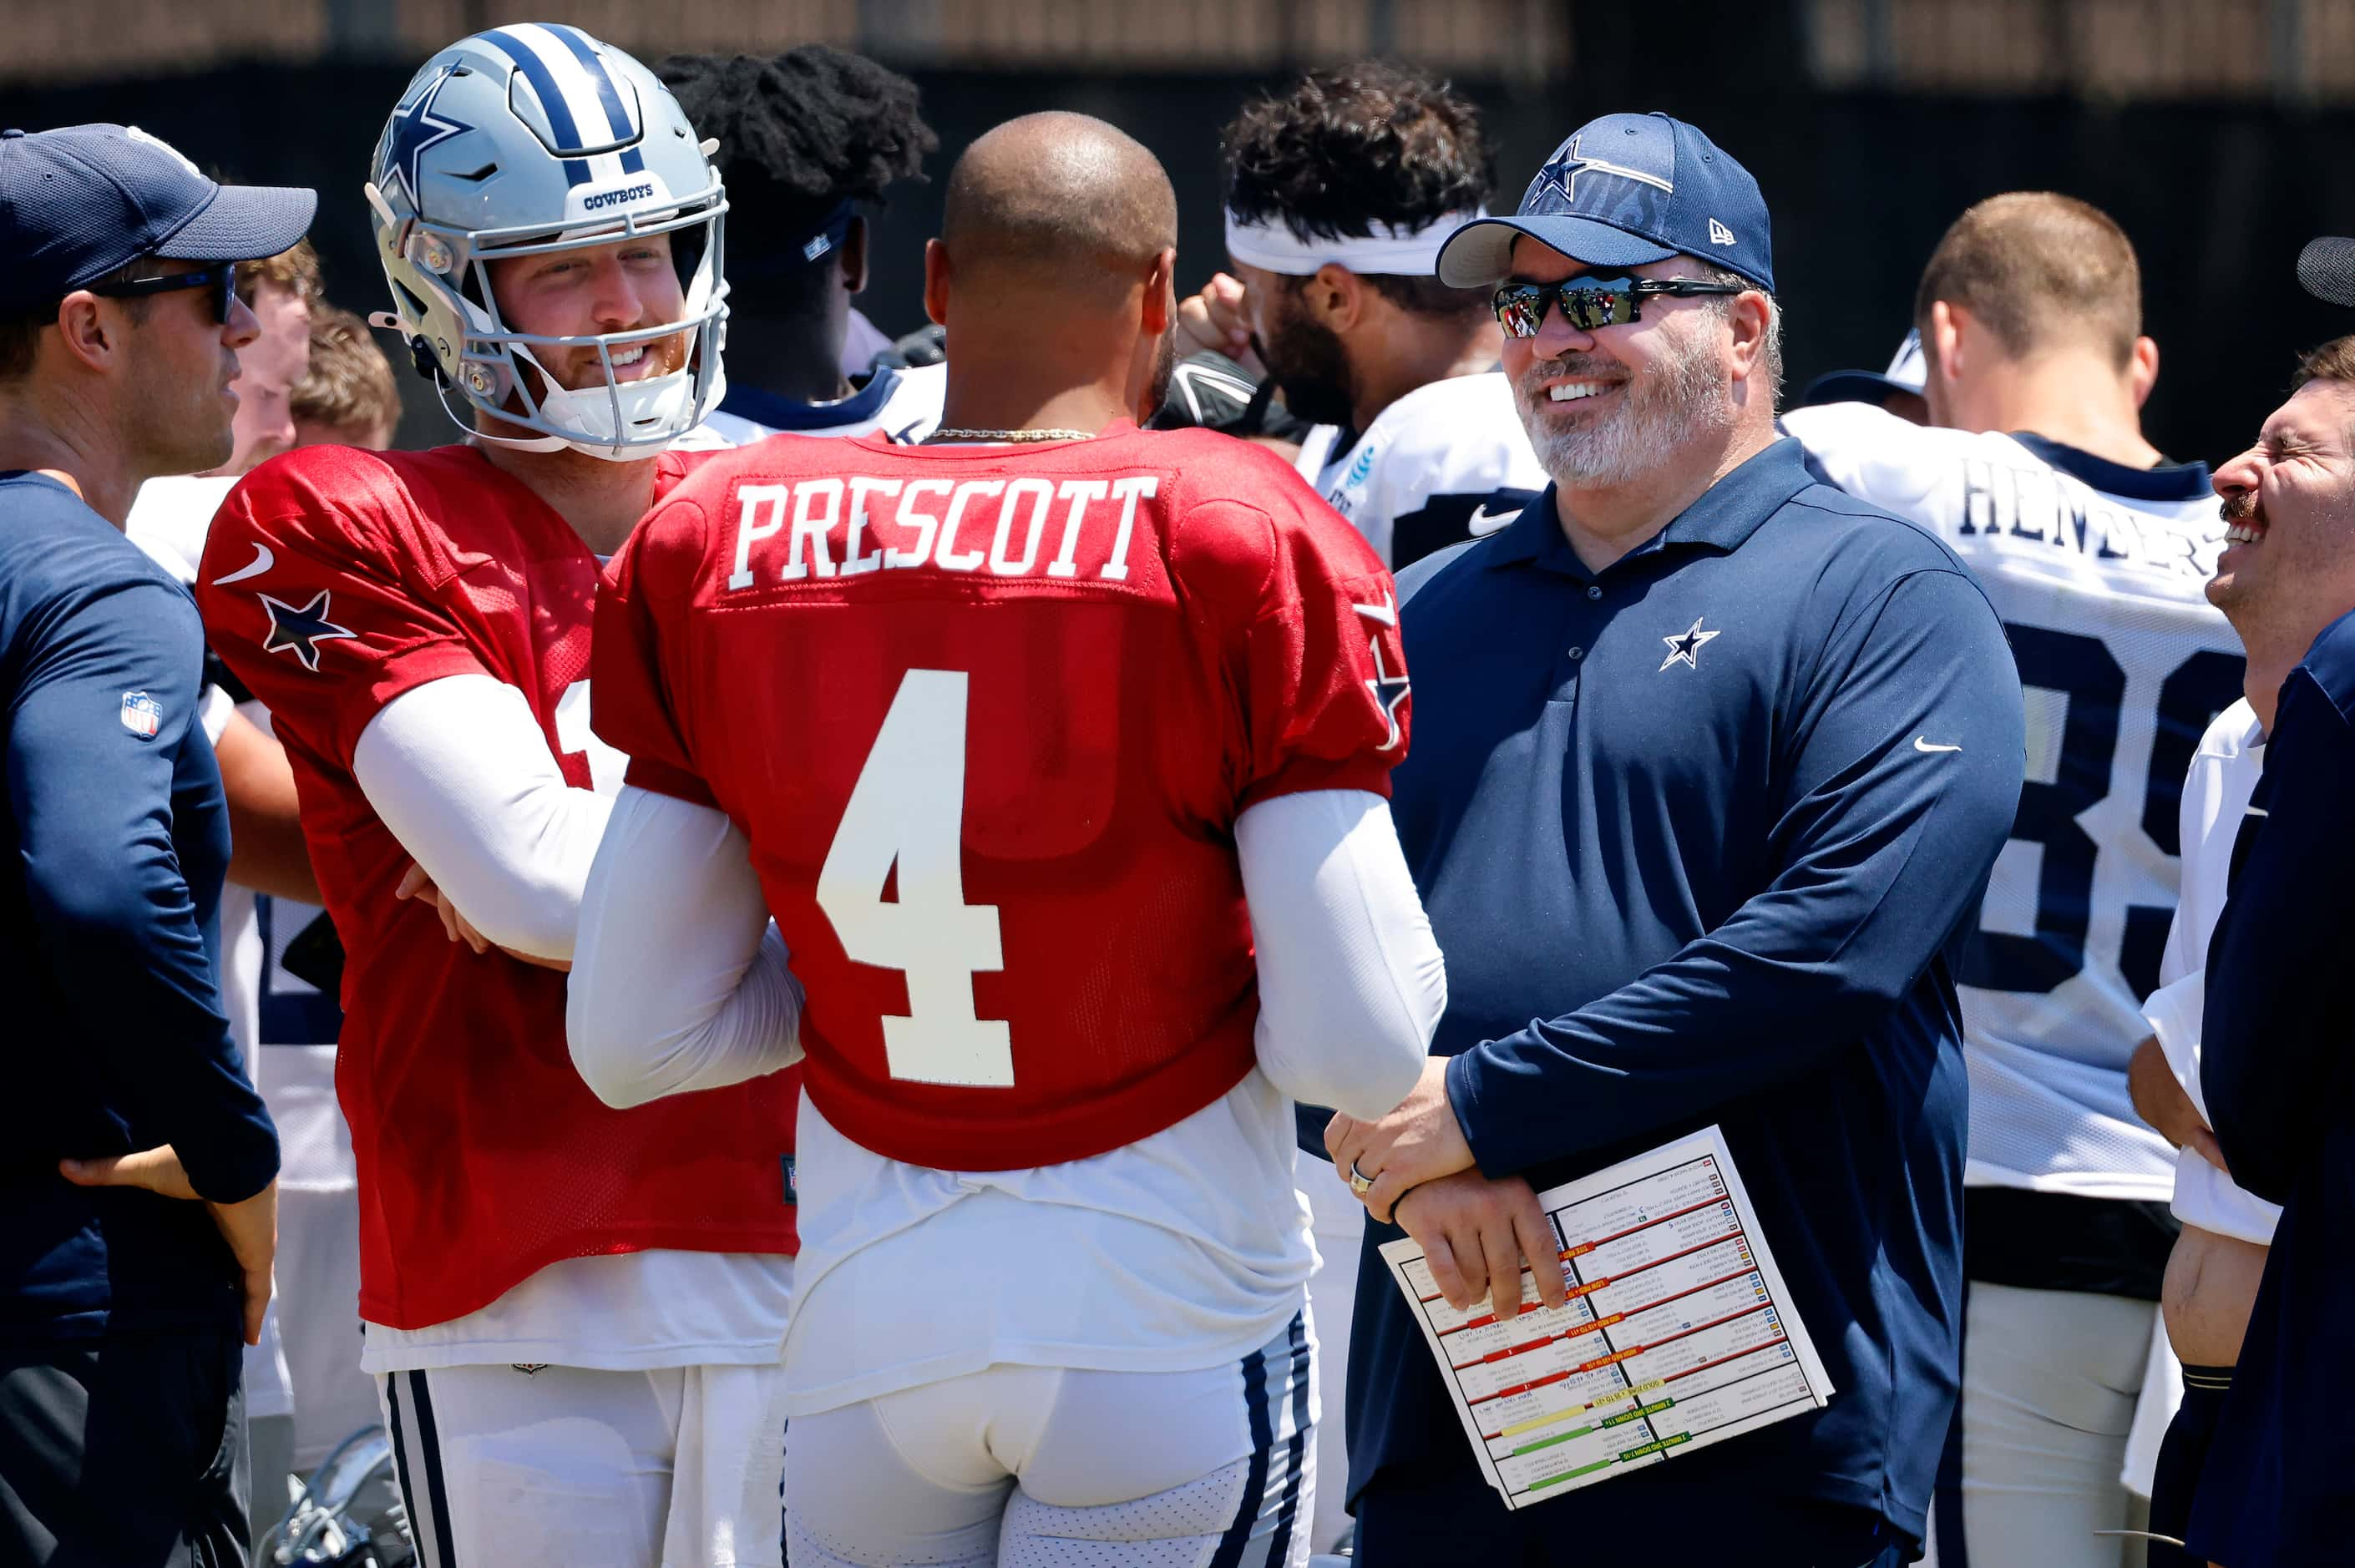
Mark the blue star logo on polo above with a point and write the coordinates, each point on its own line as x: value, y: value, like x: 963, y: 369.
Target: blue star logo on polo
x: 1685, y: 647
x: 416, y: 130
x: 300, y: 631
x: 1388, y: 692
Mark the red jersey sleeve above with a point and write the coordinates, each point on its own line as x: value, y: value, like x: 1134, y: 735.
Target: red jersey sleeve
x: 322, y: 599
x: 638, y: 658
x: 1314, y: 653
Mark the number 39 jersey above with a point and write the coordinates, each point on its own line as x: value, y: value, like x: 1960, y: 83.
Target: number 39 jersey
x: 987, y: 715
x: 2098, y: 571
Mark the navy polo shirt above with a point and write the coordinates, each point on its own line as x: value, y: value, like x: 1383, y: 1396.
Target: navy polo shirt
x: 1701, y: 835
x: 2280, y: 1084
x: 116, y: 839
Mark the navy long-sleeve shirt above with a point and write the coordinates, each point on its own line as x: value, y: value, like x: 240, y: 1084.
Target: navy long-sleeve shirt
x: 1700, y: 836
x: 2277, y: 1064
x: 118, y: 840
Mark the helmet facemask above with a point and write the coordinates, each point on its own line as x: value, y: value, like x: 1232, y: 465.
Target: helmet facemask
x: 472, y: 136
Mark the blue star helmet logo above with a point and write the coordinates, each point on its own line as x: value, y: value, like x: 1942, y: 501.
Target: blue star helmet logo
x: 300, y: 631
x: 416, y: 130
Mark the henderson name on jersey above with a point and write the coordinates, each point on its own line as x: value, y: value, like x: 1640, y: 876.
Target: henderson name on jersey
x: 1448, y: 461
x: 2098, y: 571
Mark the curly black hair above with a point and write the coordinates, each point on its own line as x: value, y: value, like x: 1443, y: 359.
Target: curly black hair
x: 1350, y: 147
x: 800, y: 134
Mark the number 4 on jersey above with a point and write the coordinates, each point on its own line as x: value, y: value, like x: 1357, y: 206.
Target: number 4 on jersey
x: 908, y: 809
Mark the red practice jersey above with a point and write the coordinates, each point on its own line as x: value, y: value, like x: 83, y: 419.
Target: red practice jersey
x: 987, y: 715
x: 334, y: 580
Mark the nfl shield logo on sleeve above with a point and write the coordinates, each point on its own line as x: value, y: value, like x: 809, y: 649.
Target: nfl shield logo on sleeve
x: 142, y: 715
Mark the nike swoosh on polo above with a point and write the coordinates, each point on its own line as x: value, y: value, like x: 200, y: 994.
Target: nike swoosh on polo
x: 1484, y: 521
x: 262, y: 561
x: 1922, y: 743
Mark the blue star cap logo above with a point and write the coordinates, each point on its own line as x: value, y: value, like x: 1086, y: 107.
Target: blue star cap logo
x: 416, y: 130
x: 1559, y: 178
x: 300, y: 631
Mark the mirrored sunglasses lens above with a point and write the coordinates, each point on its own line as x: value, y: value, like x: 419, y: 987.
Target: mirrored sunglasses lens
x: 1520, y: 310
x: 1587, y: 309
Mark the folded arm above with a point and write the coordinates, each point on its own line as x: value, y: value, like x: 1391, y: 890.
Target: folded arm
x: 459, y: 771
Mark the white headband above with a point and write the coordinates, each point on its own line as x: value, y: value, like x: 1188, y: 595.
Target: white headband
x: 1395, y: 252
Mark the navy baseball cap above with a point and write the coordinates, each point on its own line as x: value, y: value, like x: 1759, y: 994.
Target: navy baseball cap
x: 78, y: 203
x: 1908, y: 372
x: 1624, y: 190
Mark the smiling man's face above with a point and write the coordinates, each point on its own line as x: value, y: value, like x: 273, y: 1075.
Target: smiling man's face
x: 593, y: 290
x: 2289, y: 563
x: 1608, y: 406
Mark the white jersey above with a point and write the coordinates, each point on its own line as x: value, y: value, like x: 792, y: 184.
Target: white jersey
x: 902, y: 405
x: 1448, y: 461
x: 2097, y: 570
x: 2215, y: 801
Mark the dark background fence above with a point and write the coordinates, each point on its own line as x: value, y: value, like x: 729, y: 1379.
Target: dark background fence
x: 1866, y: 138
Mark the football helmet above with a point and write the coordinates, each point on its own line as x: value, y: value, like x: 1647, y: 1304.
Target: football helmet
x: 527, y: 139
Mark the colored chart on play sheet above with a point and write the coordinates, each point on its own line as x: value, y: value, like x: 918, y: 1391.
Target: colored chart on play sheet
x: 1678, y: 1334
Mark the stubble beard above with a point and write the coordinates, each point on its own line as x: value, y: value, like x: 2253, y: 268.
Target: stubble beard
x: 1680, y: 397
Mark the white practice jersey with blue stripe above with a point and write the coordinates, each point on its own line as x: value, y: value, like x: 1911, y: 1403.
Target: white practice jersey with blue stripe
x: 2098, y: 571
x: 902, y: 406
x: 1448, y: 461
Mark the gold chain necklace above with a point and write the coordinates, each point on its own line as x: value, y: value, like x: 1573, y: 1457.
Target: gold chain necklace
x: 951, y: 433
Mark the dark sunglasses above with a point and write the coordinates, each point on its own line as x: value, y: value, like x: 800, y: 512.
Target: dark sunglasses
x: 221, y: 278
x: 1590, y: 303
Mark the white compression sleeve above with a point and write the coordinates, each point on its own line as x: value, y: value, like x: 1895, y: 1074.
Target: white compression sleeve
x: 1352, y: 984
x: 459, y: 770
x: 679, y: 981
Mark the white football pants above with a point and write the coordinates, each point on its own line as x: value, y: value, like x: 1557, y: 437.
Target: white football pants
x: 676, y: 1466
x: 1019, y: 1466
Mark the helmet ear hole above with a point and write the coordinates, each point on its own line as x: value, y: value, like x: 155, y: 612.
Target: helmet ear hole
x: 420, y: 354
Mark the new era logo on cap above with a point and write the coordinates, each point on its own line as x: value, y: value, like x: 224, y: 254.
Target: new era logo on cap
x: 1622, y: 191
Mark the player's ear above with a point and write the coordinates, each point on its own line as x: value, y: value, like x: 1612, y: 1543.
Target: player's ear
x: 1160, y: 309
x: 89, y: 331
x: 853, y: 260
x: 1942, y: 341
x: 2142, y: 369
x: 1335, y: 297
x: 936, y: 283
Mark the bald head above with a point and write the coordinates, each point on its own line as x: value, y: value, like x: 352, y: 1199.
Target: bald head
x: 1063, y: 200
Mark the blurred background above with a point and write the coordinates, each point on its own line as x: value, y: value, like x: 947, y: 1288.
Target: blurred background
x: 2220, y: 132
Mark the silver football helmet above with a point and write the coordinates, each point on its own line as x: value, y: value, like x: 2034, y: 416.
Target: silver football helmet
x: 529, y: 139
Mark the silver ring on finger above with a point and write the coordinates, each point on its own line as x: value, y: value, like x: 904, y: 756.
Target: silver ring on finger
x: 1359, y: 1182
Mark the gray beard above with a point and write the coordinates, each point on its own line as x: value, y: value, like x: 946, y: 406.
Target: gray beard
x: 1678, y: 399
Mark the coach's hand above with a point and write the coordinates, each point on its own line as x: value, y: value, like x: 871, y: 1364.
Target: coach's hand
x: 1417, y: 1142
x: 1214, y: 320
x: 251, y: 1227
x: 1478, y: 1234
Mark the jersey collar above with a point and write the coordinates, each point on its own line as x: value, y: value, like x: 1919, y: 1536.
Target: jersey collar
x: 2165, y: 482
x: 772, y: 412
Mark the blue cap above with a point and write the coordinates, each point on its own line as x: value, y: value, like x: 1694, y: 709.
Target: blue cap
x: 1624, y: 190
x: 78, y: 203
x: 1908, y: 371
